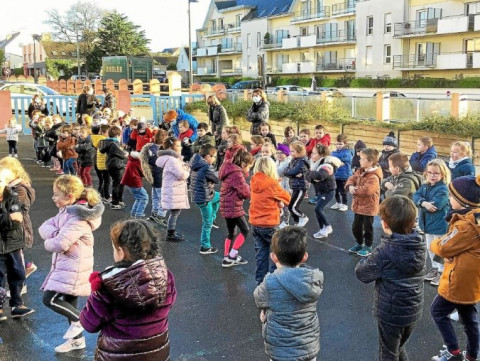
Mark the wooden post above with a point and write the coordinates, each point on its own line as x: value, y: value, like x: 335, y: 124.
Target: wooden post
x: 137, y: 86
x: 5, y: 107
x: 379, y: 108
x: 455, y: 107
x: 174, y: 84
x: 124, y: 101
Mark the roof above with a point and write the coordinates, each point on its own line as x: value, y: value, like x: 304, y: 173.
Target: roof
x: 165, y: 60
x: 60, y: 50
x: 9, y: 38
x: 261, y: 8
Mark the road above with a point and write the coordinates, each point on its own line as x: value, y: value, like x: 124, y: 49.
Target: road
x: 215, y: 317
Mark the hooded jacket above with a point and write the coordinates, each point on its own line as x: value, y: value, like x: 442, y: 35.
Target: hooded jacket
x: 67, y: 147
x: 148, y: 157
x: 192, y: 124
x: 69, y: 237
x: 289, y: 296
x: 383, y: 161
x: 419, y: 161
x: 462, y: 168
x: 218, y: 118
x: 11, y: 233
x: 433, y: 222
x: 132, y: 177
x: 325, y: 140
x: 234, y: 190
x: 26, y: 196
x: 346, y: 156
x: 115, y: 155
x: 174, y: 182
x: 281, y: 166
x: 131, y: 308
x: 202, y: 179
x: 397, y: 266
x: 257, y: 114
x: 12, y: 133
x: 297, y: 166
x: 208, y: 138
x: 359, y: 145
x: 321, y: 180
x: 86, y: 152
x: 406, y: 184
x: 100, y: 158
x: 366, y: 197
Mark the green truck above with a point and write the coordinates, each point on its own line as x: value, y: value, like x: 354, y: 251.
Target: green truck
x: 127, y: 67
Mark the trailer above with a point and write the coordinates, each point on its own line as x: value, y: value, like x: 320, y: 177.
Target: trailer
x: 127, y: 67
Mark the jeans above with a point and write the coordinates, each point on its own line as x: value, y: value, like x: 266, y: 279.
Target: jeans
x: 157, y: 202
x: 341, y: 192
x: 322, y: 201
x: 172, y: 219
x: 12, y: 146
x: 141, y: 201
x: 117, y: 188
x: 12, y: 270
x: 68, y: 167
x: 209, y: 213
x: 392, y: 341
x: 362, y: 229
x: 441, y: 309
x: 262, y: 237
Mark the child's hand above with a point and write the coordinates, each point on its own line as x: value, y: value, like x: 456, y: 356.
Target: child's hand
x: 300, y: 175
x: 389, y: 185
x: 281, y: 205
x: 351, y: 189
x: 16, y: 217
x: 429, y: 206
x: 263, y: 316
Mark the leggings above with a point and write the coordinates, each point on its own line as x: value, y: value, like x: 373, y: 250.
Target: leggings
x: 65, y: 305
x: 172, y: 219
x: 239, y: 222
x: 85, y: 176
x: 294, y: 206
x: 12, y: 146
x: 341, y: 192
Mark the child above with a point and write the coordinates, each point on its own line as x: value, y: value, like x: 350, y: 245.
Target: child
x: 174, y: 184
x: 40, y: 139
x: 268, y: 197
x: 321, y: 175
x: 268, y: 150
x: 403, y: 180
x: 288, y: 299
x: 425, y: 153
x: 283, y: 159
x: 202, y: 182
x: 321, y: 137
x: 234, y: 143
x: 296, y: 171
x: 185, y: 137
x: 265, y: 133
x: 390, y: 146
x: 86, y: 153
x: 127, y: 141
x: 222, y: 147
x: 141, y: 136
x: 364, y: 186
x: 233, y: 192
x: 132, y: 178
x: 12, y: 129
x: 459, y: 287
x: 344, y: 153
x: 69, y: 237
x: 52, y: 136
x: 66, y: 145
x: 257, y: 143
x: 460, y: 162
x: 432, y: 201
x: 100, y: 133
x: 203, y: 137
x: 290, y: 136
x: 305, y: 139
x: 12, y: 267
x: 397, y: 266
x: 131, y: 300
x: 359, y: 146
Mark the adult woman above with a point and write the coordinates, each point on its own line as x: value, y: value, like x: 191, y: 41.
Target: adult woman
x: 86, y: 103
x: 218, y: 117
x: 37, y: 104
x: 259, y: 111
x: 110, y: 100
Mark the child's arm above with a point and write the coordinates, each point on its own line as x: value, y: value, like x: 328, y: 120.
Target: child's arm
x: 459, y: 239
x: 97, y: 311
x: 280, y: 194
x: 48, y: 229
x: 370, y: 268
x: 293, y: 169
x: 371, y: 186
x: 67, y: 235
x: 261, y: 295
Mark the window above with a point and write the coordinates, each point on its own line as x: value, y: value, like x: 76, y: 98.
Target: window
x: 472, y: 8
x: 387, y: 53
x: 249, y: 41
x: 220, y: 23
x: 238, y: 20
x: 368, y: 55
x: 249, y: 62
x: 281, y: 34
x: 369, y: 25
x: 214, y: 25
x: 304, y: 31
x: 388, y: 23
x: 304, y: 56
x: 259, y: 39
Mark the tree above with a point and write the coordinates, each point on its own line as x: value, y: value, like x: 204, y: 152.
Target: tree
x: 2, y: 58
x: 172, y: 66
x: 119, y: 36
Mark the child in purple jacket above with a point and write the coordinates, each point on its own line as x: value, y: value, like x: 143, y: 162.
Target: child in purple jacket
x: 131, y: 300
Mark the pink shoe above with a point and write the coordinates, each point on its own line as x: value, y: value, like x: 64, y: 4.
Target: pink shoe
x: 60, y: 172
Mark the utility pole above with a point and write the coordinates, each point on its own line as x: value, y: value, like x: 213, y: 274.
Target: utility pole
x: 78, y: 51
x: 36, y: 38
x: 190, y: 55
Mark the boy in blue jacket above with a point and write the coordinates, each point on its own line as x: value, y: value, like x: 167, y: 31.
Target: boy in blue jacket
x: 397, y: 266
x: 345, y: 154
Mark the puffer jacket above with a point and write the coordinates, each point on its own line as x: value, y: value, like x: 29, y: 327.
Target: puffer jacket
x: 86, y: 152
x: 346, y: 156
x: 148, y: 157
x: 321, y: 180
x: 406, y: 184
x: 132, y: 177
x: 281, y: 166
x: 174, y: 182
x: 366, y: 197
x: 130, y: 307
x: 289, y: 296
x: 383, y: 161
x: 69, y: 236
x: 67, y: 147
x: 297, y: 166
x: 432, y: 222
x: 218, y: 118
x: 208, y: 138
x: 12, y: 133
x: 419, y: 161
x: 11, y: 233
x: 26, y: 196
x: 115, y: 155
x: 397, y: 266
x: 257, y: 114
x: 192, y: 124
x: 234, y: 190
x: 462, y: 168
x: 202, y: 180
x: 312, y: 143
x: 460, y: 282
x: 100, y: 158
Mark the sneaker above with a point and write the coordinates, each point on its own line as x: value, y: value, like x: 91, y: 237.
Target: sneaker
x: 209, y: 250
x: 15, y: 155
x: 70, y: 345
x: 302, y: 221
x: 467, y: 358
x: 230, y: 262
x: 326, y: 230
x: 365, y: 251
x: 356, y: 248
x: 74, y: 330
x: 436, y: 280
x: 173, y: 236
x: 313, y: 200
x: 445, y: 355
x: 431, y: 274
x: 23, y: 292
x: 115, y: 206
x: 454, y: 316
x: 282, y: 225
x: 105, y: 200
x: 319, y: 234
x: 122, y: 204
x: 21, y: 311
x: 2, y: 316
x: 343, y: 208
x: 59, y: 172
x: 30, y: 269
x: 215, y: 225
x: 335, y: 206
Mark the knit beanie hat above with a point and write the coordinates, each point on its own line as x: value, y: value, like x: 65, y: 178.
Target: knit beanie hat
x: 390, y: 139
x: 284, y: 149
x: 360, y: 145
x: 466, y: 190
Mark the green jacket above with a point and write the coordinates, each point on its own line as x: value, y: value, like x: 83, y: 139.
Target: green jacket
x: 405, y: 184
x: 206, y: 139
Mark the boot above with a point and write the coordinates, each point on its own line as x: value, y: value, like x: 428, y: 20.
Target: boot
x: 172, y: 236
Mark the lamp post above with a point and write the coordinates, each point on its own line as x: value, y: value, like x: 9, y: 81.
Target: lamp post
x: 36, y: 38
x: 78, y: 50
x: 190, y: 55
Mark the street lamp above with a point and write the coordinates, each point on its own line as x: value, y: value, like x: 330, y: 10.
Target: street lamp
x: 190, y: 55
x: 78, y: 50
x: 36, y: 38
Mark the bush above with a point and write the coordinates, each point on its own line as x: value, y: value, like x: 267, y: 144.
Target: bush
x: 342, y: 82
x: 394, y: 83
x: 471, y: 82
x: 361, y: 83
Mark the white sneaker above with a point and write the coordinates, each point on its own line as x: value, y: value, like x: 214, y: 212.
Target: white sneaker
x: 23, y: 292
x: 74, y: 330
x: 454, y: 316
x: 70, y: 345
x: 326, y: 231
x: 319, y: 234
x: 282, y: 225
x: 343, y: 208
x: 302, y: 221
x: 335, y: 206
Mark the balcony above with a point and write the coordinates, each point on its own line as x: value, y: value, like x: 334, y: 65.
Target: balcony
x: 415, y: 28
x: 310, y: 15
x: 231, y: 48
x: 440, y: 61
x: 233, y: 28
x: 339, y: 36
x: 231, y: 72
x: 456, y: 24
x: 271, y: 44
x: 415, y: 61
x: 215, y: 32
x: 208, y: 51
x: 206, y: 71
x: 343, y: 8
x: 298, y: 67
x: 327, y: 65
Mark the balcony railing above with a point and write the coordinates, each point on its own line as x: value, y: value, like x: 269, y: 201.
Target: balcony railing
x: 233, y: 28
x: 339, y: 36
x: 322, y: 13
x: 213, y: 32
x: 205, y: 71
x: 231, y: 48
x: 416, y: 27
x: 346, y: 64
x: 415, y: 61
x: 234, y: 71
x: 271, y: 44
x: 345, y: 7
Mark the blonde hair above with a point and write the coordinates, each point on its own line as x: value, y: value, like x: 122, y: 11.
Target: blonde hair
x: 464, y: 148
x: 270, y: 146
x: 213, y: 99
x: 267, y: 166
x: 426, y: 141
x: 87, y: 130
x: 235, y: 138
x: 440, y: 164
x: 16, y: 168
x: 48, y: 120
x: 8, y: 172
x: 56, y: 117
x: 299, y: 147
x: 184, y: 123
x: 70, y: 184
x: 12, y: 120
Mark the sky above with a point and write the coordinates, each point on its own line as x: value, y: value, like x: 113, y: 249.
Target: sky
x: 165, y: 21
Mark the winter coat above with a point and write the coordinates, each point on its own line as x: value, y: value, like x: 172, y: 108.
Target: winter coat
x: 127, y: 131
x: 208, y: 138
x: 433, y: 222
x: 419, y: 161
x: 141, y: 139
x: 100, y: 158
x: 321, y: 180
x: 26, y: 196
x: 12, y: 133
x: 218, y: 118
x: 174, y: 182
x: 69, y: 237
x: 346, y: 156
x: 234, y: 190
x: 297, y: 166
x: 32, y: 107
x: 11, y: 232
x: 289, y: 141
x: 115, y: 154
x: 281, y: 166
x: 265, y: 203
x: 148, y: 157
x: 460, y: 281
x: 110, y: 102
x: 202, y: 179
x: 192, y: 124
x: 325, y: 140
x: 272, y: 138
x: 359, y: 145
x: 82, y: 106
x: 462, y: 168
x: 130, y: 308
x: 366, y: 197
x: 230, y: 152
x: 383, y: 161
x: 86, y: 152
x: 132, y: 177
x: 37, y: 129
x: 67, y: 147
x: 257, y: 114
x: 289, y: 296
x: 397, y: 266
x: 406, y: 184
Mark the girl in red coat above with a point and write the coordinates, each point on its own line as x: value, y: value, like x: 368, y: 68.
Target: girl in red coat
x: 233, y: 192
x: 132, y: 178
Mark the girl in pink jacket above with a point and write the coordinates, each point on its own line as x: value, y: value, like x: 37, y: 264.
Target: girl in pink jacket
x: 69, y: 237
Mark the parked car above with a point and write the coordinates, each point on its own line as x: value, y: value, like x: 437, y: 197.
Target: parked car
x: 95, y: 77
x: 245, y: 85
x: 392, y: 94
x: 334, y: 92
x: 81, y: 77
x: 290, y: 90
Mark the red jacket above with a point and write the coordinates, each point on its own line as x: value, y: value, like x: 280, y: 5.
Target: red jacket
x: 186, y: 134
x: 325, y: 140
x: 233, y: 191
x: 141, y: 138
x: 133, y: 173
x: 230, y: 152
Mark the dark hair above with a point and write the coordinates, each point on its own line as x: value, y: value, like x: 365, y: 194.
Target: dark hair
x: 137, y: 238
x: 114, y: 132
x: 264, y: 124
x: 399, y: 160
x: 242, y: 157
x: 287, y: 129
x: 322, y: 149
x: 371, y: 154
x: 104, y: 128
x: 305, y: 131
x: 203, y: 126
x: 342, y: 138
x: 95, y: 129
x: 160, y: 136
x: 319, y: 126
x: 207, y: 149
x: 289, y: 244
x: 169, y: 142
x: 399, y: 213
